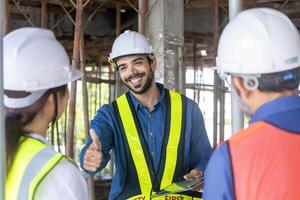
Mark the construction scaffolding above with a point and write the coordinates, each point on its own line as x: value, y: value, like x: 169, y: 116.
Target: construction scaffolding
x: 87, y: 29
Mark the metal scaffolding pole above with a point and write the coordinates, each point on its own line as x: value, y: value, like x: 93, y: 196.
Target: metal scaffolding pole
x: 2, y: 113
x: 235, y: 6
x: 219, y: 101
x: 215, y: 41
x: 237, y: 117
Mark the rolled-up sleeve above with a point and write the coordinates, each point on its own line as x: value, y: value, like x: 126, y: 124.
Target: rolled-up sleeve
x: 102, y: 125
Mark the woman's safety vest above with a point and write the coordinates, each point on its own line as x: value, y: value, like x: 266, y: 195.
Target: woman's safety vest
x: 265, y: 163
x: 142, y: 179
x: 33, y: 161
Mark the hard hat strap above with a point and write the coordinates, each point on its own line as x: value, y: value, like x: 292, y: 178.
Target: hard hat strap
x: 287, y: 80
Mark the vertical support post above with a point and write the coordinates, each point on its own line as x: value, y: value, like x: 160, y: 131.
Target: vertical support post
x: 118, y: 19
x: 118, y: 31
x: 195, y: 66
x: 166, y: 33
x: 143, y: 6
x: 85, y: 101
x: 181, y: 71
x: 2, y: 111
x: 237, y: 117
x: 75, y: 63
x: 44, y: 14
x: 215, y: 11
x: 5, y: 16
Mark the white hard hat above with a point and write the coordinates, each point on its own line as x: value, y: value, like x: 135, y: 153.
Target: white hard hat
x: 258, y: 41
x: 130, y: 43
x: 34, y: 61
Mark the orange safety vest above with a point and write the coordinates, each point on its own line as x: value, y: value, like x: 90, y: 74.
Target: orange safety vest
x: 265, y: 163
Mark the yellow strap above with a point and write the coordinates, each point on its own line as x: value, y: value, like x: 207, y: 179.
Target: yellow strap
x: 136, y: 148
x: 134, y: 145
x: 174, y: 137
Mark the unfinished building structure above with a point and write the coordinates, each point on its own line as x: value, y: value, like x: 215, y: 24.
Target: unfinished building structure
x: 183, y: 33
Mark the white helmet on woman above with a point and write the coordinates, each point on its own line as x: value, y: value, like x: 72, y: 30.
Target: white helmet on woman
x: 34, y: 61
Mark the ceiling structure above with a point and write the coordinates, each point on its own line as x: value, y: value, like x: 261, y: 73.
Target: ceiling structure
x: 99, y: 21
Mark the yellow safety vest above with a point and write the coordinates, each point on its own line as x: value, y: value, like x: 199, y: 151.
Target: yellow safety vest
x: 129, y: 122
x: 32, y: 163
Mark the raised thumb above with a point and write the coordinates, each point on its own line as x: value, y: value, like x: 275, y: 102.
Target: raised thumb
x: 95, y: 140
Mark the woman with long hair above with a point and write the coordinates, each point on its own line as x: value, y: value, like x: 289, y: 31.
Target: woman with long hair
x: 36, y: 74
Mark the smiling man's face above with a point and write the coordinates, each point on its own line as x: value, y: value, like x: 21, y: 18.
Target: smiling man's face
x: 137, y: 73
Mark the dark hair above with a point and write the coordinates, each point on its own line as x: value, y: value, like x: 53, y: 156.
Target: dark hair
x: 149, y: 59
x: 148, y: 56
x: 16, y: 119
x: 280, y: 81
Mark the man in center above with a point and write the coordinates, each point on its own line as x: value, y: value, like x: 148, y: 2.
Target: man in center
x: 157, y: 135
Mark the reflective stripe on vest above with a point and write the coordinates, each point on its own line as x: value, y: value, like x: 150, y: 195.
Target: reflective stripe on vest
x: 175, y: 130
x: 32, y: 163
x: 132, y: 135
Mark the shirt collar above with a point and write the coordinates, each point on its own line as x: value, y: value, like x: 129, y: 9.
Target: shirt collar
x: 276, y: 106
x: 40, y: 138
x: 161, y: 99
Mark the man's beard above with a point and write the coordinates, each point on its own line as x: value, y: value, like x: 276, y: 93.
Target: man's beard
x: 141, y: 89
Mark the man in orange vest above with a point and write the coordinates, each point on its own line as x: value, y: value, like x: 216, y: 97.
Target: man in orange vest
x: 260, y: 49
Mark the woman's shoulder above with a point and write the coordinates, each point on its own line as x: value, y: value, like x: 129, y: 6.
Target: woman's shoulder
x: 63, y: 182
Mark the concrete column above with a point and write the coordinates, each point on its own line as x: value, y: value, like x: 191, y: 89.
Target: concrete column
x: 165, y: 29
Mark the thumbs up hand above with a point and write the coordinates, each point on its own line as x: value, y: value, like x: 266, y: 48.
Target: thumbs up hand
x: 93, y: 156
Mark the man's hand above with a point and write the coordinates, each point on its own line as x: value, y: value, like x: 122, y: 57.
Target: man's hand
x: 93, y: 155
x: 194, y: 173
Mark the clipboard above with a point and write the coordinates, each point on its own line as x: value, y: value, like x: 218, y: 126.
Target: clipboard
x: 180, y: 186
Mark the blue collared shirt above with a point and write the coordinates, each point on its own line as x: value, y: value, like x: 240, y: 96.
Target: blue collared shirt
x: 283, y: 113
x: 197, y: 147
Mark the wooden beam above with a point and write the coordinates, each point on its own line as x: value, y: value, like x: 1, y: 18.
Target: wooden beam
x: 44, y: 14
x: 143, y: 9
x: 118, y: 19
x: 6, y: 17
x: 75, y: 65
